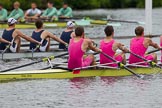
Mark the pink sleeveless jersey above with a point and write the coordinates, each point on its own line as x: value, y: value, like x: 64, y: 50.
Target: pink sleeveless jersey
x: 138, y: 48
x: 107, y: 47
x: 75, y: 54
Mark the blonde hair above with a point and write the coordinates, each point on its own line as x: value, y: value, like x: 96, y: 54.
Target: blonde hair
x: 17, y: 3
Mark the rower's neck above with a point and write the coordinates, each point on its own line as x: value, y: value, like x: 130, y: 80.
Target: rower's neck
x: 109, y: 37
x: 78, y: 37
x: 139, y: 36
x: 11, y: 27
x: 69, y: 29
x: 39, y: 29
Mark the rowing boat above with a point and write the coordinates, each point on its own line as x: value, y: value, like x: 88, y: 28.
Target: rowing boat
x: 31, y: 25
x: 65, y: 74
x: 56, y: 24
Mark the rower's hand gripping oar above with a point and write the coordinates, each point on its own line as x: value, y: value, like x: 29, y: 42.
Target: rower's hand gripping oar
x: 37, y: 46
x: 28, y: 64
x: 121, y: 65
x: 7, y: 47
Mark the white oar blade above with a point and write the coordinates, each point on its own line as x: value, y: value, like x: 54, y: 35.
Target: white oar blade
x: 50, y: 25
x: 114, y: 24
x: 142, y: 23
x: 83, y: 22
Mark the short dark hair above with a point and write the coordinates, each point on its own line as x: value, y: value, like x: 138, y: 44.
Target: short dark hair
x: 109, y: 30
x: 79, y: 31
x: 139, y: 30
x: 50, y: 2
x: 39, y: 24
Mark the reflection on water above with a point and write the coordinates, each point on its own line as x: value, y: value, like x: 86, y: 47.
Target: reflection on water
x: 81, y: 83
x: 111, y: 92
x: 110, y: 81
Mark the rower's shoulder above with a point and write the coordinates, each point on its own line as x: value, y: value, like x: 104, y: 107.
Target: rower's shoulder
x: 15, y: 30
x: 87, y: 39
x: 147, y: 39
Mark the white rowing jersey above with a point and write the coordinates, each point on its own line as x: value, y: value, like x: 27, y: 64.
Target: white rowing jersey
x: 33, y: 12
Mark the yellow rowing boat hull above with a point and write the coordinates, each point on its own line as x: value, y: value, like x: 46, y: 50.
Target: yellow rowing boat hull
x: 32, y: 25
x: 64, y: 74
x: 56, y: 24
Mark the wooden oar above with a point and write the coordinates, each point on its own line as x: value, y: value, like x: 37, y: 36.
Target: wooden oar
x: 151, y: 63
x: 28, y: 64
x: 124, y: 21
x: 121, y: 65
x: 153, y: 51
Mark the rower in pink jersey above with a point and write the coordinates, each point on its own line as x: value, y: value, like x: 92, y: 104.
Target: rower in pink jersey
x: 77, y: 48
x: 139, y: 46
x: 110, y: 46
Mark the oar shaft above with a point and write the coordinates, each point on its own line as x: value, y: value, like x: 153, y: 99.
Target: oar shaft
x: 130, y: 70
x: 156, y: 50
x: 122, y: 21
x: 28, y: 64
x: 142, y: 58
x: 121, y: 65
x: 109, y: 57
x: 151, y: 63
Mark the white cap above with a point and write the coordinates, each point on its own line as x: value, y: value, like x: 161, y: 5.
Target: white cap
x: 70, y: 24
x: 11, y: 21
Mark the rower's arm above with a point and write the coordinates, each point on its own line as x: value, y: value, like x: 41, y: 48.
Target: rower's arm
x: 69, y: 13
x: 92, y: 47
x: 3, y: 16
x: 45, y: 13
x: 4, y: 41
x: 121, y: 47
x: 72, y: 34
x: 26, y: 13
x: 54, y: 37
x: 52, y: 13
x: 38, y: 14
x: 28, y: 38
x: 11, y: 14
x: 153, y: 44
